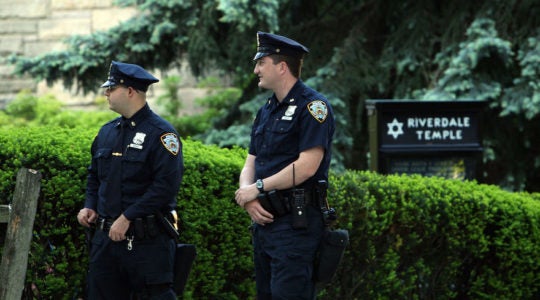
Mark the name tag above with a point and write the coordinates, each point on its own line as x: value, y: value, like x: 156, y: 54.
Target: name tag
x: 136, y: 146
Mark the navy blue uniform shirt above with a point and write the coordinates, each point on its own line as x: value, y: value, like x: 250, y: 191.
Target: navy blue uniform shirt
x: 152, y: 166
x: 303, y: 120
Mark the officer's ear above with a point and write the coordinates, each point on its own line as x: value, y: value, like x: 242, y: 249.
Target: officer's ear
x: 283, y: 67
x: 132, y: 90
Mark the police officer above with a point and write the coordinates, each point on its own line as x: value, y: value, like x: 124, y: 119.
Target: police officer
x: 289, y: 153
x: 133, y: 179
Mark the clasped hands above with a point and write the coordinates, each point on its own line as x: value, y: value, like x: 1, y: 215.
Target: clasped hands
x: 246, y: 197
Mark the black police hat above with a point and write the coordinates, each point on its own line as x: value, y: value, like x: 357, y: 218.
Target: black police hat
x: 129, y: 75
x: 268, y: 44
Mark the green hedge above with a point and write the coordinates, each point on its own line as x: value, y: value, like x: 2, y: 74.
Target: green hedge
x: 57, y: 261
x: 429, y: 238
x: 411, y: 237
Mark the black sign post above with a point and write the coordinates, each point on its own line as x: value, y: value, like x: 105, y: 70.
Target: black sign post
x: 431, y: 138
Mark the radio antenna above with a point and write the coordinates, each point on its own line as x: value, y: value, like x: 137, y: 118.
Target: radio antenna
x: 293, y: 176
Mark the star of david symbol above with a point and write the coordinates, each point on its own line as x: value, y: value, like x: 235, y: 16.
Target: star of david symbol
x: 395, y: 128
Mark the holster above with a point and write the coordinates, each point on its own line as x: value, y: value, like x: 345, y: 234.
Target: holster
x: 333, y: 241
x: 183, y: 257
x: 183, y: 261
x: 331, y: 250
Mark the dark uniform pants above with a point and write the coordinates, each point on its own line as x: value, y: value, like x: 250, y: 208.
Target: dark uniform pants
x: 145, y: 272
x: 284, y: 258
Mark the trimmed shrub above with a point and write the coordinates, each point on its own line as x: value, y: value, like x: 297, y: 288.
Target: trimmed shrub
x: 412, y: 237
x: 58, y: 256
x: 415, y: 237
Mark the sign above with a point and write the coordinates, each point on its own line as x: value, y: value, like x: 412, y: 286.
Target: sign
x: 451, y: 167
x: 432, y: 138
x: 432, y: 128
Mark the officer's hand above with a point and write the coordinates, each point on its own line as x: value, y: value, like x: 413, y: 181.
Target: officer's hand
x: 86, y: 216
x: 257, y: 213
x: 119, y: 228
x: 245, y: 194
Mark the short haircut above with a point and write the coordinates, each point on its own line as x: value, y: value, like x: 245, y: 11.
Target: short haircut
x: 294, y: 63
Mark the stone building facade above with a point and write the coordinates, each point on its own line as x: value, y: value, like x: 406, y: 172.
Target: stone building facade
x: 33, y: 27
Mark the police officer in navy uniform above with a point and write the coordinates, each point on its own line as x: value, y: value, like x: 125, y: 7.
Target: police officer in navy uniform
x: 290, y: 150
x: 133, y: 180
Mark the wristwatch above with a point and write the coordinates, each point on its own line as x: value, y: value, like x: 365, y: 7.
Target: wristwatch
x: 260, y: 185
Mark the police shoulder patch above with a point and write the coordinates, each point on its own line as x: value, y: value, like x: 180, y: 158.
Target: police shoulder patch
x: 318, y: 110
x: 170, y: 142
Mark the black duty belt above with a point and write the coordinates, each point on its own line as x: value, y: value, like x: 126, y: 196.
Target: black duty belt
x: 104, y: 223
x: 140, y: 228
x: 279, y: 203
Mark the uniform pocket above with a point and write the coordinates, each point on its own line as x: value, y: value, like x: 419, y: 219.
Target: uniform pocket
x: 282, y: 136
x: 134, y: 162
x: 282, y: 126
x: 103, y: 158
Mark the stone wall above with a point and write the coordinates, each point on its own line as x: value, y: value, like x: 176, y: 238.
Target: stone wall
x: 33, y: 27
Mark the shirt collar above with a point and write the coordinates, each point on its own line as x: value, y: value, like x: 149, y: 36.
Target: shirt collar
x: 138, y: 117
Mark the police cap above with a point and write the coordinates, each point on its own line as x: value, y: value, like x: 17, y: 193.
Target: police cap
x: 268, y: 44
x: 129, y: 75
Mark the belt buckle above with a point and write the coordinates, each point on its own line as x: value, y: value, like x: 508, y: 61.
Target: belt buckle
x: 101, y: 224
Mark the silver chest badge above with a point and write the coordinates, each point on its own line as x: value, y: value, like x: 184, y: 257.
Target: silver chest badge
x: 289, y: 112
x: 138, y: 140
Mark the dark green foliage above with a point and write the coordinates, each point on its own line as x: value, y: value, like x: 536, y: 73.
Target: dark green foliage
x: 57, y: 260
x: 215, y: 105
x: 414, y: 237
x: 215, y: 223
x: 27, y: 109
x: 485, y: 69
x: 411, y: 237
x: 170, y: 100
x: 359, y: 50
x: 60, y: 155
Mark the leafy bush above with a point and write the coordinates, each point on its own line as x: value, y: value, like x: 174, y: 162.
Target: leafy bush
x: 27, y: 109
x: 411, y: 237
x: 170, y: 100
x: 214, y: 223
x: 415, y: 237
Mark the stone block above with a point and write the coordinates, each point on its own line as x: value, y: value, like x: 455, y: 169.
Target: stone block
x: 6, y: 71
x: 37, y: 47
x: 12, y: 26
x: 11, y: 44
x: 64, y: 24
x: 78, y: 4
x: 16, y: 85
x: 25, y: 9
x: 69, y: 97
x: 103, y: 19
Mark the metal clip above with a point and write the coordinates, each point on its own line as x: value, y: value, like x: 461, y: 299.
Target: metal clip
x: 130, y: 243
x: 175, y: 219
